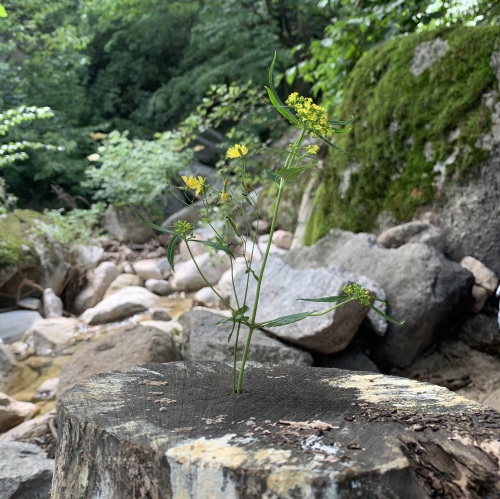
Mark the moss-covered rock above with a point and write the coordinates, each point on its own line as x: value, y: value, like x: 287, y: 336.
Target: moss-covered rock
x: 26, y: 255
x: 424, y: 106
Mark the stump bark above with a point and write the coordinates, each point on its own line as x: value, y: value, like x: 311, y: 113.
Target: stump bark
x: 176, y: 430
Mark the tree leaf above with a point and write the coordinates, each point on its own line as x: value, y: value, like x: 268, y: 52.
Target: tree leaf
x: 3, y: 12
x: 171, y: 250
x: 150, y: 224
x: 325, y: 299
x: 271, y: 175
x: 386, y: 317
x: 286, y: 319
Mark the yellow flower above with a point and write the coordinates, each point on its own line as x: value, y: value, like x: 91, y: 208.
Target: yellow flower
x: 197, y: 184
x: 237, y: 151
x: 313, y: 149
x: 312, y: 117
x: 224, y: 197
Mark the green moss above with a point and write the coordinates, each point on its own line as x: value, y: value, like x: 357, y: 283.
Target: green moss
x: 16, y: 247
x: 393, y: 173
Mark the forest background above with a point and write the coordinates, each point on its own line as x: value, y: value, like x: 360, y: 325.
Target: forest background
x: 99, y: 97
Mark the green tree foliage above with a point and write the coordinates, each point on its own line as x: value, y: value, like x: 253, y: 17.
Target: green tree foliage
x: 131, y: 171
x: 359, y: 25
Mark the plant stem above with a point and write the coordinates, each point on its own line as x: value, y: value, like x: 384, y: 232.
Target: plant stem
x: 251, y: 329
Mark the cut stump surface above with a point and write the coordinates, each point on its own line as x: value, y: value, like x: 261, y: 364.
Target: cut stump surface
x: 176, y: 430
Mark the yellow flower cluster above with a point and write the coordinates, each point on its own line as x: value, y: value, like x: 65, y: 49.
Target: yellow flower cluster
x: 312, y: 149
x: 197, y: 184
x: 237, y: 151
x: 313, y: 118
x: 358, y: 292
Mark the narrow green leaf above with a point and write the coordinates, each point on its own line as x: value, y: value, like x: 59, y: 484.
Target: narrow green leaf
x: 233, y: 226
x: 386, y: 317
x: 271, y: 175
x: 171, y: 250
x: 325, y: 299
x: 215, y: 245
x: 331, y: 144
x: 224, y: 321
x: 150, y: 224
x: 275, y: 100
x: 286, y: 319
x: 341, y: 131
x: 341, y: 123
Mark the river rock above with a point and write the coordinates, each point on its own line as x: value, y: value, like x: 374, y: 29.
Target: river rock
x: 52, y: 304
x: 160, y: 314
x: 418, y: 280
x: 159, y: 287
x: 7, y: 361
x: 283, y: 287
x: 203, y: 340
x: 125, y: 225
x: 295, y: 431
x: 25, y: 471
x: 47, y: 390
x: 481, y: 333
x: 47, y: 335
x: 483, y: 276
x: 153, y: 268
x: 14, y: 324
x: 207, y: 298
x: 88, y: 255
x: 480, y: 296
x: 412, y: 232
x: 13, y: 412
x: 351, y: 358
x: 283, y: 239
x: 187, y: 277
x: 29, y: 430
x: 225, y: 284
x: 122, y: 281
x: 124, y: 303
x: 126, y: 347
x: 30, y: 303
x: 100, y: 280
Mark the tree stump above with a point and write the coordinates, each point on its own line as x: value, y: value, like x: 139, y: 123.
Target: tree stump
x: 176, y: 430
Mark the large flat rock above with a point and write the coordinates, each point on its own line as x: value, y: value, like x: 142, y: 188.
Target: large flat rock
x: 176, y: 431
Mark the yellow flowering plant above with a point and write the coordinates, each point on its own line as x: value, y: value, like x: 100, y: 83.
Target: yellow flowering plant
x: 236, y: 196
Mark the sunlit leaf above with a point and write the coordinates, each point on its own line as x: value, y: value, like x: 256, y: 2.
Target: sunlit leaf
x: 291, y: 174
x: 3, y: 12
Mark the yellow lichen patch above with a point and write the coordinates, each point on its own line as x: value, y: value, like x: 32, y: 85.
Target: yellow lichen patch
x: 402, y: 392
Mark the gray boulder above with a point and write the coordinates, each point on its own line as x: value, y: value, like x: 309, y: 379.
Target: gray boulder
x: 52, y: 304
x: 159, y: 287
x: 424, y: 288
x: 122, y: 281
x: 125, y: 225
x: 413, y: 232
x: 481, y: 333
x: 100, y: 280
x: 25, y: 471
x: 124, y: 348
x: 14, y: 324
x: 151, y: 268
x: 203, y: 340
x: 47, y: 335
x: 120, y: 305
x: 284, y: 285
x: 187, y: 277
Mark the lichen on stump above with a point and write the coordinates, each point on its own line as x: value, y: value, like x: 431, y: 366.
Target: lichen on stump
x: 176, y: 430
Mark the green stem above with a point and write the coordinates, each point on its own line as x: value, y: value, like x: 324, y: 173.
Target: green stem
x: 289, y: 161
x: 226, y: 303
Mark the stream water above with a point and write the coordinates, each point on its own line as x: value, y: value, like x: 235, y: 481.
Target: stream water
x: 33, y: 370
